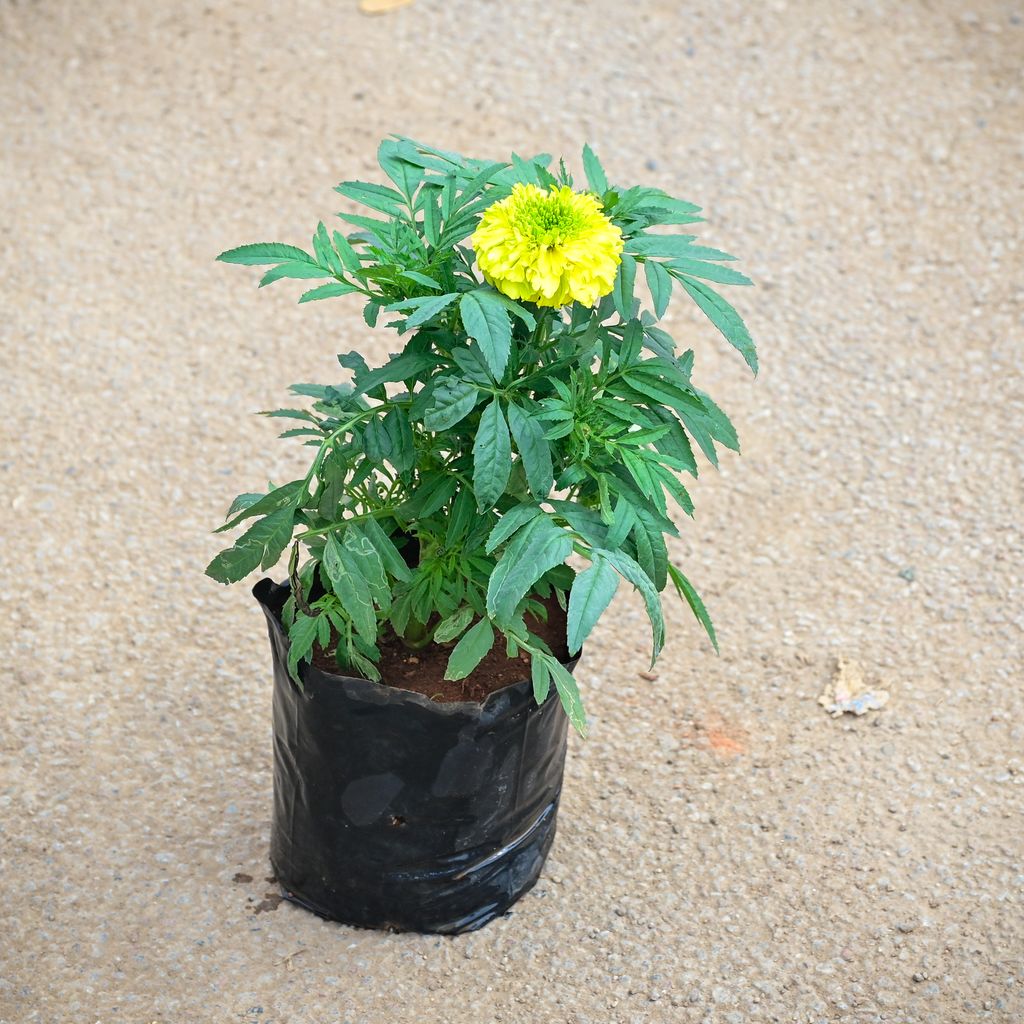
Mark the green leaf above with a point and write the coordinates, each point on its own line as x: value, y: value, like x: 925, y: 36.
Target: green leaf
x: 485, y: 319
x: 708, y: 271
x: 692, y: 598
x: 265, y: 252
x: 724, y: 317
x: 325, y: 254
x: 679, y: 493
x: 660, y: 283
x: 350, y: 588
x: 533, y: 450
x: 421, y: 279
x: 622, y: 293
x: 629, y: 570
x: 376, y: 197
x: 470, y: 650
x: 261, y: 545
x: 294, y: 270
x: 389, y: 554
x: 569, y: 694
x: 301, y: 636
x: 435, y: 490
x: 431, y: 216
x: 512, y: 520
x: 402, y: 367
x: 327, y: 291
x: 596, y: 178
x: 348, y: 255
x: 407, y: 176
x: 452, y: 401
x: 592, y: 592
x: 451, y: 627
x: 541, y: 677
x: 368, y: 563
x: 240, y: 504
x: 520, y: 312
x: 718, y: 423
x: 288, y: 495
x: 492, y: 457
x: 672, y: 247
x: 536, y: 548
x: 425, y: 308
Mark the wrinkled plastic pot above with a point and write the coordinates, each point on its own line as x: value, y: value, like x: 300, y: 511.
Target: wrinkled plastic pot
x: 393, y: 811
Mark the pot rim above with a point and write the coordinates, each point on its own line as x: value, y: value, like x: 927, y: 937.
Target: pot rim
x: 271, y: 596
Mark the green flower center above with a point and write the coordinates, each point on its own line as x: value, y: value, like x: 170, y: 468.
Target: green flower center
x: 547, y: 219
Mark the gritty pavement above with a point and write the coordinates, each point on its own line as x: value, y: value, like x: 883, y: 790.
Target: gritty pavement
x: 727, y: 852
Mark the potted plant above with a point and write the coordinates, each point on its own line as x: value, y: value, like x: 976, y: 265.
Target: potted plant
x: 535, y: 416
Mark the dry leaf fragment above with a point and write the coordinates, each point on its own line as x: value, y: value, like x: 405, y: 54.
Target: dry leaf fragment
x: 381, y: 6
x: 848, y: 691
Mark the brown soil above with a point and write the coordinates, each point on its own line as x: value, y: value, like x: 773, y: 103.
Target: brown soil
x: 423, y: 670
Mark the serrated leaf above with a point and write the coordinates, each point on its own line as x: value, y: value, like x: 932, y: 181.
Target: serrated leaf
x: 288, y: 495
x: 350, y: 588
x: 349, y: 257
x: 327, y: 291
x: 260, y: 546
x: 435, y: 490
x: 692, y: 598
x: 449, y: 628
x: 486, y: 320
x: 389, y: 554
x: 533, y: 450
x: 709, y: 271
x: 265, y: 252
x: 660, y: 283
x: 241, y: 503
x: 431, y: 216
x: 540, y: 675
x: 376, y: 197
x: 596, y: 177
x: 724, y: 317
x: 520, y: 312
x: 672, y: 247
x: 569, y: 694
x: 470, y: 650
x: 622, y: 293
x: 536, y: 548
x: 592, y: 592
x: 301, y: 636
x: 718, y: 423
x: 514, y: 519
x: 402, y: 367
x: 325, y: 253
x: 294, y: 270
x: 492, y: 457
x: 421, y: 279
x: 367, y: 562
x: 424, y: 308
x: 452, y: 401
x: 629, y: 570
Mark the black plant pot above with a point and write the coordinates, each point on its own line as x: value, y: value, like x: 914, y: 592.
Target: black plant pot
x: 393, y: 811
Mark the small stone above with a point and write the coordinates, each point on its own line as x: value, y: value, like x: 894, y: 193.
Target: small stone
x: 906, y: 927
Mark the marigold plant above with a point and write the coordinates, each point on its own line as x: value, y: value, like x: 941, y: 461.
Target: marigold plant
x: 535, y: 412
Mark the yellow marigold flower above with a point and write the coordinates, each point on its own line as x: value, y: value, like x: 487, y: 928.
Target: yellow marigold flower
x: 549, y: 247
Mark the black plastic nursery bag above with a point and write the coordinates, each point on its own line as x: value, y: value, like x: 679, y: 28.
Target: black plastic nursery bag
x: 393, y: 811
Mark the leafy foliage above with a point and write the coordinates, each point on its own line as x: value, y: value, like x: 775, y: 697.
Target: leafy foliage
x: 449, y: 487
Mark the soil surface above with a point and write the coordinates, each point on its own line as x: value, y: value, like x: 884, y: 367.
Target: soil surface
x: 727, y: 852
x: 423, y: 670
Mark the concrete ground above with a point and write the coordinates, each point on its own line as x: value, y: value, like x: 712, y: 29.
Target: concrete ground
x: 727, y: 852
